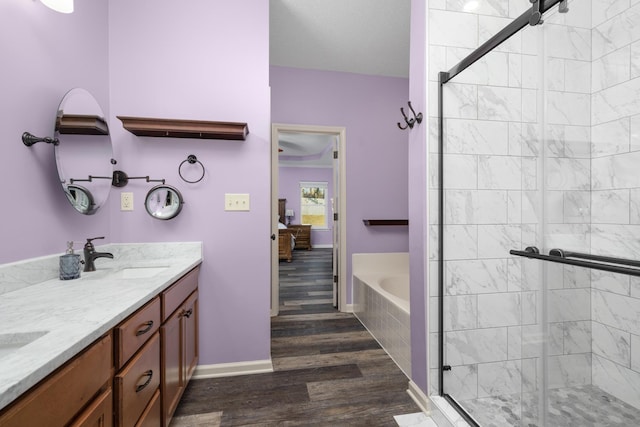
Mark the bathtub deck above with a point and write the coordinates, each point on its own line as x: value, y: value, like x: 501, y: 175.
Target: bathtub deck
x: 328, y: 370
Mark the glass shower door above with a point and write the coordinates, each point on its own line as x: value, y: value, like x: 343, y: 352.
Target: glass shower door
x: 591, y: 128
x: 493, y: 329
x: 541, y: 142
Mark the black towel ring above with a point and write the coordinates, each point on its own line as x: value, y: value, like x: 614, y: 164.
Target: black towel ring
x: 191, y: 159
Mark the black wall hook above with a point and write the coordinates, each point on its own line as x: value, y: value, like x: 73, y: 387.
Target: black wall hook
x: 417, y: 118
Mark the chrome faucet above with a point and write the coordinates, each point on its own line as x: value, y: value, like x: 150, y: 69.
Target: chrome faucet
x: 90, y: 255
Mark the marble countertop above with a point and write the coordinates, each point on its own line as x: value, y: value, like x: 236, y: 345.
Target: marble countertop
x: 67, y: 316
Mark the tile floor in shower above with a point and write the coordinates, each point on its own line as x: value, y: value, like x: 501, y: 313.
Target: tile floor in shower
x: 584, y: 406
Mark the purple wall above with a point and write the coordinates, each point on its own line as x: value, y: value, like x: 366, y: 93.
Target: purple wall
x: 377, y: 151
x: 289, y: 188
x: 202, y: 60
x: 44, y: 55
x: 418, y: 241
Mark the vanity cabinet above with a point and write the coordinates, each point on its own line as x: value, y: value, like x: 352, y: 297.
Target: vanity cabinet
x: 77, y: 394
x: 132, y: 376
x: 179, y: 334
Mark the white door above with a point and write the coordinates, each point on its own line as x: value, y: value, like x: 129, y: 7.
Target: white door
x: 338, y: 206
x: 335, y: 214
x: 275, y: 268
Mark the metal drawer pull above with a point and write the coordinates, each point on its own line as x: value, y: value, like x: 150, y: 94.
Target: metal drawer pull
x: 145, y: 330
x: 149, y: 374
x: 188, y: 313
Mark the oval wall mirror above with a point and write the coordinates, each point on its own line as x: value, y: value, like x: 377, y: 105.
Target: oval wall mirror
x: 84, y: 155
x: 163, y: 202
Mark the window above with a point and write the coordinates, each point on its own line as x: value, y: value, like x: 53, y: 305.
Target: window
x: 313, y: 204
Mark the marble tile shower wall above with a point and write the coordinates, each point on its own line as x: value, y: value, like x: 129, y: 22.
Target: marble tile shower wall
x: 492, y: 200
x: 615, y: 198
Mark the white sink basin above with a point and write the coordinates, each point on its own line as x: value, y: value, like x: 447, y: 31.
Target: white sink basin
x: 139, y: 272
x: 13, y: 341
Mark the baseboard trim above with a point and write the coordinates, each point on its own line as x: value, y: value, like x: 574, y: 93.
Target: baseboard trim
x: 323, y: 246
x: 418, y: 396
x: 232, y: 369
x: 347, y: 308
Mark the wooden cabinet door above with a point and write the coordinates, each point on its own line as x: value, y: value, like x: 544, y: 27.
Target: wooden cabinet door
x: 60, y: 397
x: 190, y: 334
x: 172, y: 362
x: 98, y: 414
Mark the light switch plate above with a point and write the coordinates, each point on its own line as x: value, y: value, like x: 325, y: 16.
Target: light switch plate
x: 236, y: 202
x: 126, y: 201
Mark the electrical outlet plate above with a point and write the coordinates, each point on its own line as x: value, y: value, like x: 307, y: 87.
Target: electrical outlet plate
x: 126, y: 201
x: 236, y: 202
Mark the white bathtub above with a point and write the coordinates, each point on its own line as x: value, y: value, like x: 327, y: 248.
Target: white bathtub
x: 381, y: 302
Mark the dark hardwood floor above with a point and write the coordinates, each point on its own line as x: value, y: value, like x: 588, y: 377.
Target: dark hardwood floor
x: 328, y: 370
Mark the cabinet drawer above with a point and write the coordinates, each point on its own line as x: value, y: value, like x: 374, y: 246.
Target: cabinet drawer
x: 173, y: 297
x: 58, y: 399
x: 99, y: 414
x: 152, y: 415
x: 133, y: 332
x: 136, y: 384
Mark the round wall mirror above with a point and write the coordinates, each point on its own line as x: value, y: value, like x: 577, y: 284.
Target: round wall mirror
x: 163, y: 202
x: 84, y: 154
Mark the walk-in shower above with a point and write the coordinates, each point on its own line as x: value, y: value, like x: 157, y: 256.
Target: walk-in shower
x: 539, y: 220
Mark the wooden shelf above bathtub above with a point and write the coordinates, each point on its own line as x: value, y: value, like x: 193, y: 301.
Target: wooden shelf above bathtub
x: 376, y: 222
x: 174, y: 128
x: 79, y: 124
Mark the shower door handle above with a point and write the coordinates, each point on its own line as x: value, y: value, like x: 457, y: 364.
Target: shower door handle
x: 556, y: 256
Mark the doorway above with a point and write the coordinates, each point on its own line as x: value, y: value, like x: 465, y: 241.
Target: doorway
x: 336, y: 212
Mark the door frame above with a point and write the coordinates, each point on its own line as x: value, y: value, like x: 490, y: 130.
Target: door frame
x: 341, y: 208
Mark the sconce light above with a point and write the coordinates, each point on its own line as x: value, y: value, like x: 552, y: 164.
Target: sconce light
x: 289, y: 214
x: 62, y: 6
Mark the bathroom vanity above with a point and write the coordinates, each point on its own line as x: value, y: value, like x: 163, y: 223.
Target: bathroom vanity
x: 115, y: 347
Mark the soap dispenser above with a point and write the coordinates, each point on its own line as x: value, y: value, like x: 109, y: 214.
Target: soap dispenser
x: 69, y: 264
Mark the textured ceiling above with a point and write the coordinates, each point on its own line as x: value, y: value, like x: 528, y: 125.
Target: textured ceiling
x: 305, y: 149
x: 353, y: 36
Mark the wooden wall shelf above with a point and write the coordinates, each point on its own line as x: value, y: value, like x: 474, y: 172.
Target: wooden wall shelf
x: 173, y: 128
x: 81, y: 125
x: 375, y: 222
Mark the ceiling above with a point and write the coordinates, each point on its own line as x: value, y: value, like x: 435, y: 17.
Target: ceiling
x: 301, y: 149
x: 353, y: 36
